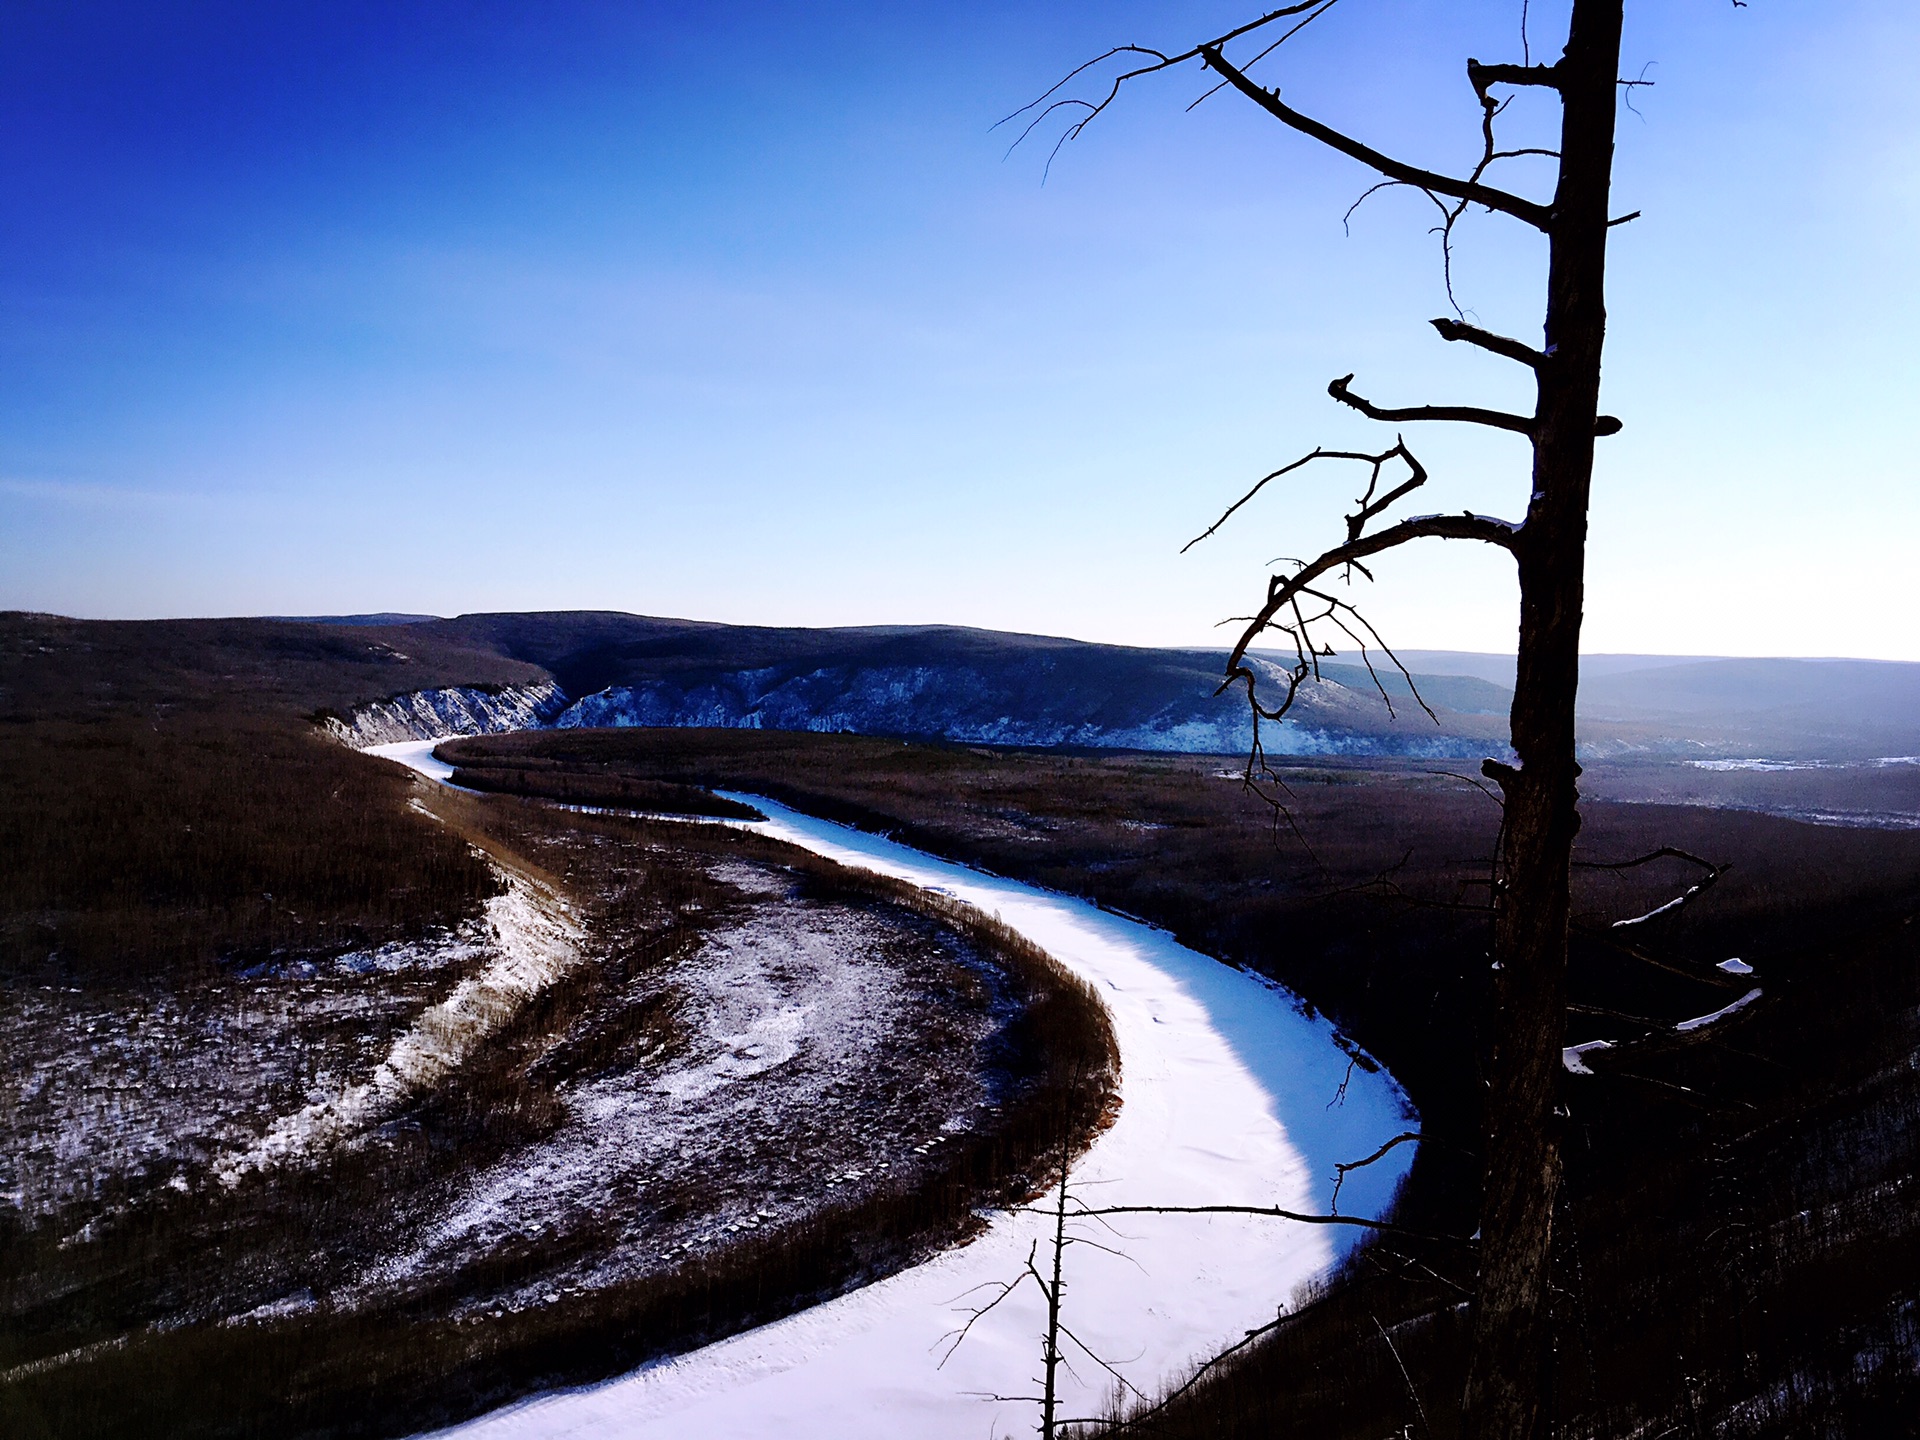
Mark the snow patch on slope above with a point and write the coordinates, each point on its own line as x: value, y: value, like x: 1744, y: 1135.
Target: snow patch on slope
x: 537, y: 941
x: 961, y: 704
x: 1025, y: 706
x: 441, y: 714
x: 805, y: 1063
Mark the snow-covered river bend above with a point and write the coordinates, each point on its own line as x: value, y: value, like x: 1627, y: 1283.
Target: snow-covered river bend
x: 1229, y: 1096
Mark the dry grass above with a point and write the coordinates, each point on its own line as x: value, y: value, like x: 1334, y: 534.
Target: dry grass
x: 163, y: 806
x: 136, y: 853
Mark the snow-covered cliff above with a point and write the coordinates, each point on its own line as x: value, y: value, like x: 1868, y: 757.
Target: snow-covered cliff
x: 963, y: 703
x: 1080, y: 700
x: 438, y: 714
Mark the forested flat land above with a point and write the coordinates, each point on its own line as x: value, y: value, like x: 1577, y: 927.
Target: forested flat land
x: 596, y: 787
x: 1742, y: 1238
x: 164, y: 801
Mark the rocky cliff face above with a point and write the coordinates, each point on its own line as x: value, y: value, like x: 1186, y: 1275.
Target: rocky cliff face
x: 973, y: 704
x: 440, y: 714
x: 937, y: 682
x: 992, y: 705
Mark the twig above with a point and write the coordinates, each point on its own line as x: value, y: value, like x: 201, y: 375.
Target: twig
x: 1341, y: 1170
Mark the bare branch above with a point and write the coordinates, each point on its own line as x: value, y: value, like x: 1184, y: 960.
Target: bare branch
x: 1290, y: 33
x: 1394, y: 1350
x: 1374, y: 460
x: 1494, y: 198
x: 1369, y: 507
x: 1487, y: 340
x: 1387, y: 650
x: 1377, y: 1255
x: 1481, y: 77
x: 1466, y: 414
x: 1125, y: 1383
x: 1156, y: 60
x: 1469, y: 780
x: 1142, y: 1417
x: 1005, y: 1287
x: 1282, y: 590
x: 1489, y: 112
x: 1340, y: 1171
x: 1275, y: 1212
x: 1665, y: 852
x: 1384, y: 185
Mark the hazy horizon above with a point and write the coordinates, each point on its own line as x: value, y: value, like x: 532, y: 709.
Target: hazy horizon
x: 1650, y: 658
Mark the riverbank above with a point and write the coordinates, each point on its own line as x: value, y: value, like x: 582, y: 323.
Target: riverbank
x: 1229, y: 1095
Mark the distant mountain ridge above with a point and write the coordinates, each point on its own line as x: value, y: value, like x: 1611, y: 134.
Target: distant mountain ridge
x: 984, y: 686
x: 949, y: 682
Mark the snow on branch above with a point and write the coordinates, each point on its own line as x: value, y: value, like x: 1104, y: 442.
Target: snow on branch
x: 1701, y: 1022
x: 1574, y: 1057
x: 1666, y: 852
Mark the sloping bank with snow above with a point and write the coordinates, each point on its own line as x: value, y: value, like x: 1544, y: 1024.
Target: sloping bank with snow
x: 442, y: 714
x: 952, y: 702
x: 1228, y: 1096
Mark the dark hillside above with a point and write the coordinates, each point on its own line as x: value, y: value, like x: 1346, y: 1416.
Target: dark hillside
x: 946, y: 681
x: 937, y: 681
x: 52, y: 667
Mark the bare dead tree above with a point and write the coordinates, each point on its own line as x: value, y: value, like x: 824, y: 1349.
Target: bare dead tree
x: 1052, y: 1284
x: 1508, y: 1373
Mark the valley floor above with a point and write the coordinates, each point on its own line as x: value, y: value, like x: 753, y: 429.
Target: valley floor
x: 668, y: 1081
x: 1229, y: 1095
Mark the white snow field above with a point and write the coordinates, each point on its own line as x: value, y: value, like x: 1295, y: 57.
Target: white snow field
x: 1229, y: 1096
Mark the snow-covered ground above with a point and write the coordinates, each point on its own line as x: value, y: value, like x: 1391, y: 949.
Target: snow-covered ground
x: 535, y: 940
x: 805, y: 1053
x: 1230, y: 1095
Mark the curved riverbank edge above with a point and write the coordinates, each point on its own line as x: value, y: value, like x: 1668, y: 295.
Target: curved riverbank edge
x: 1230, y: 1095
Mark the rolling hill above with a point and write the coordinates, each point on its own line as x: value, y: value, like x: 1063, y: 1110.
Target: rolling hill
x: 984, y: 686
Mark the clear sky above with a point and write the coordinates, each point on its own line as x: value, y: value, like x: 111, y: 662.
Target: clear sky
x: 742, y: 312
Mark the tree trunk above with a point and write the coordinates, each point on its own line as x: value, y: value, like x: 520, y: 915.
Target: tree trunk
x: 1508, y: 1382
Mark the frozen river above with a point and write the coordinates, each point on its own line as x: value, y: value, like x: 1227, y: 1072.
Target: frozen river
x: 1229, y: 1096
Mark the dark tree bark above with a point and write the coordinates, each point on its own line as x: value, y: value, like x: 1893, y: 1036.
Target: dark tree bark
x: 1512, y: 1342
x: 1508, y: 1387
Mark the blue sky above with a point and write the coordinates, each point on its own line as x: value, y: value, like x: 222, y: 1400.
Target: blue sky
x: 742, y: 312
